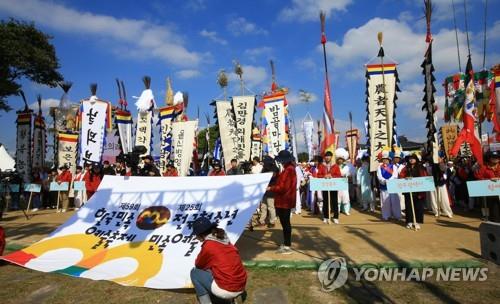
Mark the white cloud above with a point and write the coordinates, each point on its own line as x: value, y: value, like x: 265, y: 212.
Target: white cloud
x: 308, y: 10
x: 46, y: 105
x: 240, y: 26
x: 212, y: 35
x: 188, y: 74
x: 294, y: 98
x: 257, y: 52
x: 253, y: 76
x: 307, y: 64
x: 145, y: 39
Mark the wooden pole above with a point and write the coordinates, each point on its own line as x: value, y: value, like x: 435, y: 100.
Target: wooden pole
x: 328, y: 219
x: 413, y: 212
x: 29, y: 202
x: 57, y: 208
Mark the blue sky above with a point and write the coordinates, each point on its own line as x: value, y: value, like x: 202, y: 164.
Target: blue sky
x: 191, y: 40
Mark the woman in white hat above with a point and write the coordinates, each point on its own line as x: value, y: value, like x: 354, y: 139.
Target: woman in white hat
x: 344, y: 201
x: 389, y: 201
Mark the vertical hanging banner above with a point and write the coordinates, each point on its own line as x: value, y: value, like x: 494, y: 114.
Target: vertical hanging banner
x: 23, y: 144
x: 308, y: 128
x: 39, y: 141
x: 256, y: 144
x: 381, y: 97
x: 143, y: 133
x: 111, y: 147
x: 275, y: 121
x: 454, y: 87
x: 123, y: 121
x: 483, y: 82
x: 449, y: 135
x: 183, y: 136
x: 243, y: 108
x: 137, y: 231
x: 95, y: 117
x: 66, y: 149
x: 166, y: 115
x: 352, y: 139
x: 227, y: 129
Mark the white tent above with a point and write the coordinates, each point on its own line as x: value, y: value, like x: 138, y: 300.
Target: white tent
x: 6, y: 161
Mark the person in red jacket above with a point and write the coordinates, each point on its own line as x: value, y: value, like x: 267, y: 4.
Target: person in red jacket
x: 93, y: 180
x: 219, y: 272
x: 64, y: 177
x: 171, y: 170
x: 217, y: 169
x: 491, y: 170
x: 329, y: 169
x: 285, y: 191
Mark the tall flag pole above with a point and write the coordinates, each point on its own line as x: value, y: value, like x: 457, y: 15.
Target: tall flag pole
x: 328, y: 143
x: 429, y: 89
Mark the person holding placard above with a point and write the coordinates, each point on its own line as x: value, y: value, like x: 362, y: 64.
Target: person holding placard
x: 284, y: 197
x: 414, y: 169
x: 80, y: 196
x: 389, y: 201
x: 491, y: 170
x: 219, y: 272
x: 365, y: 183
x: 36, y: 196
x: 344, y: 199
x: 64, y: 177
x: 397, y: 155
x: 328, y: 169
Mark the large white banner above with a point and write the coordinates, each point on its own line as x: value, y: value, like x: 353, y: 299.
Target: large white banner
x: 136, y: 231
x: 274, y: 113
x: 183, y: 137
x: 381, y: 91
x: 243, y: 108
x: 94, y: 116
x: 308, y: 128
x: 227, y: 129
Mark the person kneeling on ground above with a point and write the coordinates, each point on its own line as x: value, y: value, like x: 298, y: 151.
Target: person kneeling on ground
x: 219, y: 272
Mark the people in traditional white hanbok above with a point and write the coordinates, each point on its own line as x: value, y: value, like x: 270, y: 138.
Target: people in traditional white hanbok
x: 363, y: 177
x: 344, y: 200
x: 389, y: 201
x: 397, y: 156
x: 80, y: 196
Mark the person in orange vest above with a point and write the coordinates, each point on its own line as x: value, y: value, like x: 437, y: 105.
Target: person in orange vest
x: 171, y: 170
x: 491, y: 170
x: 64, y: 177
x: 216, y: 169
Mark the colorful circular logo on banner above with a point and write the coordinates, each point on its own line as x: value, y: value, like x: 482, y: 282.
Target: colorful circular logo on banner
x: 153, y: 217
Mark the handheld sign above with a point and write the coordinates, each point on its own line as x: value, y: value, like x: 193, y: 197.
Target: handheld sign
x: 414, y: 184
x: 328, y: 184
x: 54, y: 186
x: 32, y: 187
x: 12, y: 188
x: 484, y: 188
x: 79, y: 186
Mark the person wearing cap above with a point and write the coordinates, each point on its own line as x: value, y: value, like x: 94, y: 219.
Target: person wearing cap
x: 149, y: 168
x: 80, y: 196
x: 389, y: 201
x: 64, y: 177
x: 284, y: 197
x: 93, y: 180
x: 414, y: 169
x: 329, y: 169
x: 397, y: 155
x: 344, y: 199
x: 491, y: 170
x: 216, y: 169
x: 170, y: 170
x: 367, y: 199
x: 218, y: 272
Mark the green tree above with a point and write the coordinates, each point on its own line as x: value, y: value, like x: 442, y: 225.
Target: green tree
x: 25, y: 52
x: 303, y: 157
x: 202, y: 140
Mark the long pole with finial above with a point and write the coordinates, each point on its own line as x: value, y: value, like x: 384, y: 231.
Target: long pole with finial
x: 456, y: 35
x: 380, y: 38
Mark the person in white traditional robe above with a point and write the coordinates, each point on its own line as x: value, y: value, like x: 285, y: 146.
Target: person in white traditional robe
x: 298, y: 198
x: 80, y: 196
x: 363, y: 177
x: 440, y: 199
x: 344, y: 200
x: 398, y: 164
x: 389, y: 201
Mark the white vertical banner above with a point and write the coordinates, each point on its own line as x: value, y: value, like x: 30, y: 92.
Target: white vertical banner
x: 66, y: 150
x: 183, y: 137
x: 123, y: 120
x: 143, y: 131
x: 308, y: 128
x: 166, y: 115
x: 111, y: 147
x: 39, y: 138
x: 256, y: 148
x: 94, y: 114
x: 381, y: 92
x: 227, y: 130
x: 243, y: 108
x: 23, y: 145
x: 274, y: 113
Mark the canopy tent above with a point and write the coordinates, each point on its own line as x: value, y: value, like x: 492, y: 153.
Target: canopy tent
x: 6, y: 161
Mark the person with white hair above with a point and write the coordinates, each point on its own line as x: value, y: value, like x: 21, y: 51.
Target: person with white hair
x: 389, y: 201
x: 344, y: 200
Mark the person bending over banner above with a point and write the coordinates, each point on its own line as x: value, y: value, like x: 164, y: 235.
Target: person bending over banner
x: 491, y: 171
x: 328, y: 169
x: 216, y: 169
x: 64, y: 177
x: 390, y: 202
x: 219, y: 272
x: 284, y: 197
x: 414, y: 169
x: 171, y: 170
